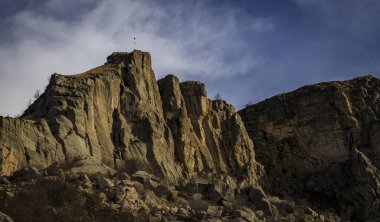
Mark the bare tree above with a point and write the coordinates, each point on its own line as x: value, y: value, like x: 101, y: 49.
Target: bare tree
x: 218, y: 96
x: 37, y: 94
x: 250, y: 103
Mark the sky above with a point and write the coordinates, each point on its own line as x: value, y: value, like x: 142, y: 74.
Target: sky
x: 246, y: 50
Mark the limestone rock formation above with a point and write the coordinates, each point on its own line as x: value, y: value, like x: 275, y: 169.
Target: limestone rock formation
x: 117, y: 114
x: 209, y: 136
x: 25, y: 142
x: 313, y: 131
x: 121, y: 144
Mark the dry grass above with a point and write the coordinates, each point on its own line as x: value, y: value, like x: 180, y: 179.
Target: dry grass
x: 101, y: 70
x: 60, y: 201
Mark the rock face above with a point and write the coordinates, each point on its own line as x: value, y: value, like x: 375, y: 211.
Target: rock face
x: 25, y: 142
x: 119, y: 115
x: 353, y: 185
x: 118, y: 140
x: 210, y: 138
x: 329, y: 129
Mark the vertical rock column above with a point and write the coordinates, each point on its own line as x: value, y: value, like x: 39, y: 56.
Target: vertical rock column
x: 141, y: 106
x: 210, y: 138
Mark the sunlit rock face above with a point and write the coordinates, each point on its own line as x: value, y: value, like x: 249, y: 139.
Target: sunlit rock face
x: 209, y: 136
x: 119, y: 115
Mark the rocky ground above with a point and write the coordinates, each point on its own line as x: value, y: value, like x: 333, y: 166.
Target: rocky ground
x: 54, y: 194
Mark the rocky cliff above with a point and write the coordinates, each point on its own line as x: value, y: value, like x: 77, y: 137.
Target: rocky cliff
x: 113, y: 143
x: 118, y: 114
x: 322, y: 142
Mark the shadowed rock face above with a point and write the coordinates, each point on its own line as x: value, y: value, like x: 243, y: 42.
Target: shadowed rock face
x: 114, y: 113
x: 312, y: 131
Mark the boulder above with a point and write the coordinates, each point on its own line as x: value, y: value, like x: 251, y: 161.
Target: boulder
x: 214, y: 211
x: 103, y: 182
x: 201, y: 214
x: 198, y: 185
x: 116, y: 194
x: 182, y: 202
x: 123, y: 176
x: 5, y: 218
x: 216, y: 191
x: 26, y: 173
x: 284, y: 207
x: 246, y: 214
x: 132, y: 202
x: 55, y: 170
x: 166, y: 191
x: 84, y: 178
x: 197, y: 196
x: 151, y: 200
x: 90, y: 166
x: 183, y: 213
x: 146, y: 179
x: 259, y: 200
x: 5, y: 181
x: 199, y: 205
x: 102, y: 196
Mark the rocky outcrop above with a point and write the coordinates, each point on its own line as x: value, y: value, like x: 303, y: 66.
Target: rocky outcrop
x: 123, y: 144
x: 118, y: 115
x: 210, y: 138
x: 313, y: 131
x: 112, y: 113
x: 25, y: 142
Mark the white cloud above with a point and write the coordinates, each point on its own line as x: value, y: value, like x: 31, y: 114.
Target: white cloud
x: 185, y: 39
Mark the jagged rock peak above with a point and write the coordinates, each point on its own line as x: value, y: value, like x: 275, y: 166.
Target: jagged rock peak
x: 194, y: 88
x: 118, y: 57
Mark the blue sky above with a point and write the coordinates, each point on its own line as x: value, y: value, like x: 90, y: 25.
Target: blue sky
x: 246, y: 50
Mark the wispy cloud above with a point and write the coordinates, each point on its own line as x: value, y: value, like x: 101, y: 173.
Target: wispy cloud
x: 183, y: 38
